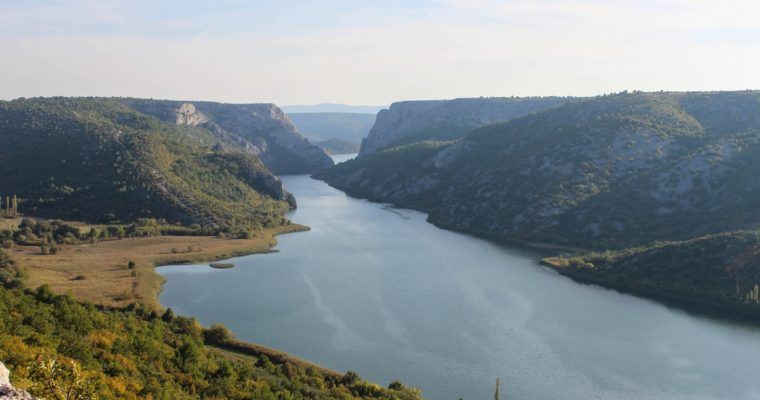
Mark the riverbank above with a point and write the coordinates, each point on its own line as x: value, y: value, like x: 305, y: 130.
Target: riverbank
x: 100, y: 273
x: 688, y: 304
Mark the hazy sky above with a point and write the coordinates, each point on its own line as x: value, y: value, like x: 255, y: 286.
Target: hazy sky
x: 374, y: 52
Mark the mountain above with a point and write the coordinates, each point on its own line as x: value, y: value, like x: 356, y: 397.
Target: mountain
x: 336, y: 133
x: 262, y: 129
x: 603, y: 173
x: 332, y: 108
x: 411, y: 121
x: 103, y: 159
x: 718, y: 270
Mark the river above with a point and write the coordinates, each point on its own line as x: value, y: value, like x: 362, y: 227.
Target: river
x: 380, y: 291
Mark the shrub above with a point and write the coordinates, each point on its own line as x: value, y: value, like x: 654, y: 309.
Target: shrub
x: 217, y: 334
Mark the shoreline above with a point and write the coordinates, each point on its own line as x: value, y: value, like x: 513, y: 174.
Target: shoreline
x: 689, y: 305
x: 219, y: 256
x: 116, y: 273
x: 685, y: 304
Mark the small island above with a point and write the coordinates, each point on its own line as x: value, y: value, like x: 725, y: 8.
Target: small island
x: 222, y: 265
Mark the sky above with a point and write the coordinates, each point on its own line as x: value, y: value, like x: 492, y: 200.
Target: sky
x: 374, y: 52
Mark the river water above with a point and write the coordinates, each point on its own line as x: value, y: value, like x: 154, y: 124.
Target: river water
x: 380, y: 291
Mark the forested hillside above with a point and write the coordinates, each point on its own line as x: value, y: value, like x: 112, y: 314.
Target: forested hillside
x: 722, y: 269
x: 608, y: 172
x: 407, y: 122
x: 262, y: 129
x: 102, y: 160
x: 613, y: 172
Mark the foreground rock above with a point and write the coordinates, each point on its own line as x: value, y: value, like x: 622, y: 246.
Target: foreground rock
x: 7, y: 391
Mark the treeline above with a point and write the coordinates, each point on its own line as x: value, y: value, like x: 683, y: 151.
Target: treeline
x: 721, y: 269
x: 136, y: 353
x: 50, y: 233
x: 9, y: 209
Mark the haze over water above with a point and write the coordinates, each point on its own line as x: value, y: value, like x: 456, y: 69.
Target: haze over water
x: 380, y: 291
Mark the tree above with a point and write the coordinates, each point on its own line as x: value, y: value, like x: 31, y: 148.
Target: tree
x: 168, y: 315
x: 59, y: 380
x: 217, y: 334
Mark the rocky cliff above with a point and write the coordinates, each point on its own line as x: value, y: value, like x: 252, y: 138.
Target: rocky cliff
x: 7, y: 391
x: 410, y: 121
x: 262, y: 129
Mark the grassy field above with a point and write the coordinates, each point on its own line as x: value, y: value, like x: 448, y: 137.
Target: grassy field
x: 100, y: 272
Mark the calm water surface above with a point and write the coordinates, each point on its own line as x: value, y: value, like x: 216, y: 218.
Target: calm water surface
x: 380, y: 291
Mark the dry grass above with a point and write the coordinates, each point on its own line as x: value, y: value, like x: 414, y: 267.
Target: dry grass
x: 99, y: 273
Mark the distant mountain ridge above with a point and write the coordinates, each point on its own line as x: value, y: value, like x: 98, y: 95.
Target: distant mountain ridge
x: 332, y: 108
x: 411, y: 121
x: 335, y: 133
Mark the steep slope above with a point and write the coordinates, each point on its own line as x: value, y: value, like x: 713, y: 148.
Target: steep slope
x: 100, y: 160
x: 262, y: 129
x: 334, y: 132
x: 722, y: 270
x: 608, y: 172
x: 410, y: 121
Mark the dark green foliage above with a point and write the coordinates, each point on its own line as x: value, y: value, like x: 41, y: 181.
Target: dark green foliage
x: 101, y: 160
x: 130, y: 354
x: 217, y: 334
x: 721, y: 269
x: 610, y: 172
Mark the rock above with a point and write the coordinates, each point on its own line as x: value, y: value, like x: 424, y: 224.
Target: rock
x: 7, y: 391
x: 187, y: 115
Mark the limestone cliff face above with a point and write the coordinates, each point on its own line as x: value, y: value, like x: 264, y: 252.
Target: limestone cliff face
x: 262, y: 129
x: 7, y: 391
x: 186, y: 114
x: 410, y: 121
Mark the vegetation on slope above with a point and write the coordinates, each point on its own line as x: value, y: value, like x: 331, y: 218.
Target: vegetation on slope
x: 614, y: 172
x: 261, y: 129
x: 722, y: 269
x: 407, y: 122
x: 101, y: 160
x: 134, y: 353
x: 610, y: 172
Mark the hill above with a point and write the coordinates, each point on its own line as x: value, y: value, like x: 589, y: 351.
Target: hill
x: 336, y: 133
x: 100, y: 159
x: 411, y: 121
x: 262, y: 129
x: 610, y: 172
x: 717, y: 270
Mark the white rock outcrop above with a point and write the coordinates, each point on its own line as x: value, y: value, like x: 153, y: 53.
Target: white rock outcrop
x: 7, y: 391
